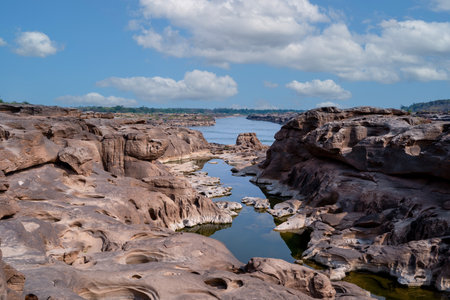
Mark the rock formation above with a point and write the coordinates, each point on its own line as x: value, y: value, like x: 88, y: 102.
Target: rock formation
x: 87, y: 211
x: 279, y: 118
x: 374, y: 184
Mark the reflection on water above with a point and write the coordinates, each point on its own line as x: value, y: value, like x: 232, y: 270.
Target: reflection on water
x: 251, y: 234
x: 386, y: 287
x: 296, y: 242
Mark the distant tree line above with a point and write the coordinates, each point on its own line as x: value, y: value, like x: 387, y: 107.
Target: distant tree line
x: 152, y: 110
x: 13, y: 102
x: 442, y: 106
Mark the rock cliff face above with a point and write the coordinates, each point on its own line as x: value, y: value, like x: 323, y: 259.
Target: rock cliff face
x: 375, y: 190
x: 88, y: 212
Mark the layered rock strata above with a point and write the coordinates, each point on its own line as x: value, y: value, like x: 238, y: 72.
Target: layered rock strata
x: 375, y: 189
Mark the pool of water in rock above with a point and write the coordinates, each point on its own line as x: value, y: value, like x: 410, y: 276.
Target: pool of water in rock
x: 252, y: 234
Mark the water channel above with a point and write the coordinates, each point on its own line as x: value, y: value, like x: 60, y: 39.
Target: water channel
x: 252, y: 234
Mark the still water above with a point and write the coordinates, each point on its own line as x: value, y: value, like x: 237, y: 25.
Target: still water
x: 226, y: 130
x: 252, y: 235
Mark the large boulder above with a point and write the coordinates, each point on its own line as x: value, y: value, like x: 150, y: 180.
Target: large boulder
x: 25, y: 150
x: 249, y: 140
x: 142, y: 147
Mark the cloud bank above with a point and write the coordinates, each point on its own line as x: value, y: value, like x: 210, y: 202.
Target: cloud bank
x: 96, y: 99
x: 196, y: 85
x: 2, y: 42
x: 34, y: 43
x: 440, y: 5
x: 326, y: 89
x: 297, y: 34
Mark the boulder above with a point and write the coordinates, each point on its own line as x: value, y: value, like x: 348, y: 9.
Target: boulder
x: 79, y: 159
x: 113, y: 146
x: 256, y: 202
x: 249, y: 140
x: 142, y: 147
x: 293, y: 276
x: 25, y: 150
x: 285, y: 208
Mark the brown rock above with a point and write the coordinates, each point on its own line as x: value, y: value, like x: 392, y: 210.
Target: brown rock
x: 142, y: 147
x: 79, y: 159
x: 25, y: 150
x: 113, y: 154
x: 293, y: 276
x: 249, y: 140
x: 356, y: 160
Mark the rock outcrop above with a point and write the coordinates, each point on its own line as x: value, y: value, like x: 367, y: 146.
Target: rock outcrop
x: 87, y: 212
x: 279, y: 118
x: 374, y: 184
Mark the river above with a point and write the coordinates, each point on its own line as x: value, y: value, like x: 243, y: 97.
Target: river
x: 252, y: 234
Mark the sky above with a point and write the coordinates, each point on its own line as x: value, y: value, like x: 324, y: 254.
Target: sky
x: 285, y: 54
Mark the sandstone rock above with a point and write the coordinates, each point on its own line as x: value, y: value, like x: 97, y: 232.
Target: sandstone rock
x: 249, y: 140
x: 297, y: 221
x: 286, y: 208
x: 4, y: 134
x: 140, y: 169
x: 25, y: 150
x: 349, y: 291
x: 113, y: 154
x: 4, y: 185
x: 256, y: 202
x: 8, y: 208
x: 293, y: 276
x: 229, y: 205
x: 142, y: 147
x: 376, y: 176
x: 79, y: 159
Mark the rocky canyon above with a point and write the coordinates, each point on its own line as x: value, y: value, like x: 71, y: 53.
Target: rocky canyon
x: 88, y: 210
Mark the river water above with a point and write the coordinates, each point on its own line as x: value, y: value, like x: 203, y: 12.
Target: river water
x: 252, y: 234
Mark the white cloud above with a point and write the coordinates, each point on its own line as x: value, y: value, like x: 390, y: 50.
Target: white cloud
x: 286, y: 33
x: 196, y: 85
x: 424, y: 74
x: 326, y: 89
x: 440, y: 5
x: 328, y: 103
x: 34, y: 43
x: 2, y: 42
x: 270, y: 85
x: 96, y: 99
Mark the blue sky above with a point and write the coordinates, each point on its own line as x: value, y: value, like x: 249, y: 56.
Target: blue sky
x: 225, y: 53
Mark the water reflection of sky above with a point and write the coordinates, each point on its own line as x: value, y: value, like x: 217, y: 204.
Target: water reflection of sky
x: 251, y: 233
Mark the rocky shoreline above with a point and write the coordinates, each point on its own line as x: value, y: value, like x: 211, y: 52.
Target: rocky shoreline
x: 279, y: 118
x: 87, y: 211
x: 374, y: 187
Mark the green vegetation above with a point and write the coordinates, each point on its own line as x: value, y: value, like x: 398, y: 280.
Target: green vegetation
x: 13, y: 102
x: 150, y: 110
x: 442, y: 106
